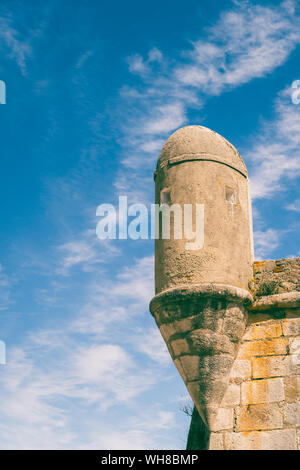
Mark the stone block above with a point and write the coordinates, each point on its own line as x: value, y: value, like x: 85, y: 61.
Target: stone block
x: 291, y: 327
x: 216, y: 441
x: 167, y: 330
x: 294, y: 365
x: 223, y: 420
x: 268, y: 347
x: 232, y: 396
x: 262, y: 391
x: 207, y: 393
x: 207, y: 342
x: 179, y: 347
x: 295, y: 346
x: 263, y: 330
x: 191, y: 366
x: 292, y: 388
x: 241, y: 370
x: 291, y: 414
x: 283, y: 439
x: 183, y: 326
x: 272, y: 366
x: 258, y: 417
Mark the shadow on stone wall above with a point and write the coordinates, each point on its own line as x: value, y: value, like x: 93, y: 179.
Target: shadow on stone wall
x: 198, y: 437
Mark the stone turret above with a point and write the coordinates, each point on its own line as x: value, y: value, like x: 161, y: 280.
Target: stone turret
x: 197, y: 165
x: 207, y: 298
x: 202, y: 293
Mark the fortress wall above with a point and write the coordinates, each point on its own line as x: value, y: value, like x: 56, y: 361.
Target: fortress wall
x: 261, y: 407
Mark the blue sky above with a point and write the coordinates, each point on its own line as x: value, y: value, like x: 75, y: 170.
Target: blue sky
x: 93, y: 91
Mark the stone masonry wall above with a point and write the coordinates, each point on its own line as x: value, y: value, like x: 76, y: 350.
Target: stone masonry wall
x: 261, y: 407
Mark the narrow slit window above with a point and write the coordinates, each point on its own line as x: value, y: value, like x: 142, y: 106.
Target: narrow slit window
x: 230, y: 195
x: 165, y: 196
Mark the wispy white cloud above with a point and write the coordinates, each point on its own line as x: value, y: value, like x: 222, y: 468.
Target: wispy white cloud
x: 275, y: 153
x: 6, y: 283
x: 86, y: 251
x: 36, y: 398
x: 56, y: 368
x: 248, y: 41
x: 83, y: 58
x: 118, y: 300
x: 147, y: 431
x: 142, y: 67
x: 265, y: 242
x: 150, y: 342
x: 167, y: 118
x: 294, y: 206
x: 16, y: 46
x: 135, y: 281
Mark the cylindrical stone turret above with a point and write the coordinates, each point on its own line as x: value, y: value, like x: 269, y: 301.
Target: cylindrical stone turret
x: 197, y: 165
x: 202, y: 283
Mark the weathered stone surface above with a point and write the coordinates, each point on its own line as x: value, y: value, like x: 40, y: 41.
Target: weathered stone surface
x: 281, y: 275
x: 232, y: 396
x: 283, y: 439
x: 292, y: 388
x: 177, y: 327
x: 294, y: 364
x: 204, y: 344
x: 241, y: 370
x: 263, y: 330
x: 234, y: 323
x: 295, y: 346
x: 167, y: 330
x: 223, y: 419
x: 180, y: 347
x: 262, y: 391
x: 216, y: 441
x: 180, y: 369
x: 264, y: 381
x: 275, y: 302
x: 207, y: 368
x: 258, y: 417
x: 272, y: 366
x: 291, y: 413
x: 191, y: 366
x: 291, y: 327
x: 196, y: 164
x: 207, y: 342
x: 268, y: 347
x: 202, y: 393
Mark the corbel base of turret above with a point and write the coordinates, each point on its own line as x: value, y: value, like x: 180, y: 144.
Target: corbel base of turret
x: 202, y: 326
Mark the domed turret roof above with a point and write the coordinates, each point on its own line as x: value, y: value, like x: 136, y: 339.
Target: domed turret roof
x: 200, y: 143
